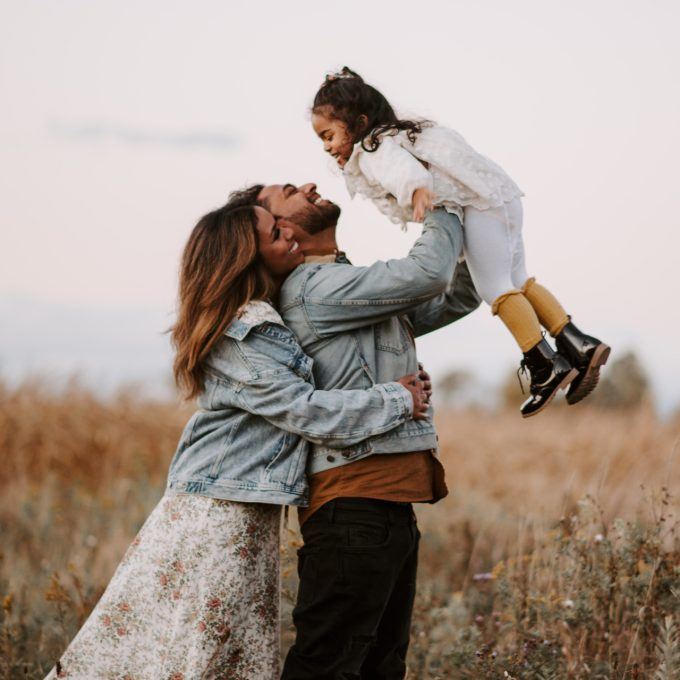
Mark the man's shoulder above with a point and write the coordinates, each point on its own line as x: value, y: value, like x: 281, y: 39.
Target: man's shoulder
x: 296, y: 281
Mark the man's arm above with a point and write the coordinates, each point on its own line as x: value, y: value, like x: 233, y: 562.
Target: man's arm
x: 460, y: 299
x: 338, y: 297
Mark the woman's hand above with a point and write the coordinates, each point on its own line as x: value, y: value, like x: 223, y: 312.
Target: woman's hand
x: 420, y: 399
x: 423, y: 199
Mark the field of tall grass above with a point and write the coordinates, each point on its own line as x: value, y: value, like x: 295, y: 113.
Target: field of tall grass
x: 555, y: 554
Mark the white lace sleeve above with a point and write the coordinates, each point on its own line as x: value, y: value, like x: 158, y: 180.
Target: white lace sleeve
x: 396, y: 170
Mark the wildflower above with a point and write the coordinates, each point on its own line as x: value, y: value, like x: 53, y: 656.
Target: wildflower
x: 7, y: 603
x: 485, y: 576
x: 599, y: 538
x: 569, y: 604
x: 498, y: 570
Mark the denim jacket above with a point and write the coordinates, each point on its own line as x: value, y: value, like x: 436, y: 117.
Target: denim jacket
x: 359, y: 324
x: 258, y: 411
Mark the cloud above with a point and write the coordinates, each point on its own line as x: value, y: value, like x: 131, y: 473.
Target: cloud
x: 119, y: 134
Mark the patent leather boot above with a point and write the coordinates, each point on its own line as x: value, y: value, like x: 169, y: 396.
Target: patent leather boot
x: 549, y: 373
x: 587, y: 355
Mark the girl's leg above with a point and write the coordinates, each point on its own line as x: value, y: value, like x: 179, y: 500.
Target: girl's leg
x: 490, y: 246
x: 550, y: 312
x: 495, y: 254
x: 584, y: 352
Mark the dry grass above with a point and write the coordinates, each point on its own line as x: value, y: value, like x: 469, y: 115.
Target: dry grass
x: 524, y: 568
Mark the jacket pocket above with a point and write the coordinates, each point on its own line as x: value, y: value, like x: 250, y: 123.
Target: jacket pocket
x: 278, y: 468
x: 392, y: 336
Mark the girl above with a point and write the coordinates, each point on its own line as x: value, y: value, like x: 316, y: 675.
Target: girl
x: 197, y: 593
x: 408, y: 166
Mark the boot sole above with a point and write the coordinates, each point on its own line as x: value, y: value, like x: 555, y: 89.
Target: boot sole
x: 592, y: 376
x: 566, y: 381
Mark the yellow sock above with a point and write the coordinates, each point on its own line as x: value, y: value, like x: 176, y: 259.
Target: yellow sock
x: 549, y: 311
x: 519, y: 316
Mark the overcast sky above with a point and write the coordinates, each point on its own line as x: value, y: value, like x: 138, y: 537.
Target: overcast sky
x: 121, y: 123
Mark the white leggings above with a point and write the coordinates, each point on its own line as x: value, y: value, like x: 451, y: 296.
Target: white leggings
x: 494, y: 249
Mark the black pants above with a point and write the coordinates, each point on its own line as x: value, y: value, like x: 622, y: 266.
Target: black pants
x: 357, y: 573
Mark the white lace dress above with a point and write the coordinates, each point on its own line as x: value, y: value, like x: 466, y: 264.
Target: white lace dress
x: 195, y: 596
x: 439, y: 159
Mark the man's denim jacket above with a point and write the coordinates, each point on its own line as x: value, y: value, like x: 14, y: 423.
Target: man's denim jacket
x: 359, y: 324
x: 249, y: 440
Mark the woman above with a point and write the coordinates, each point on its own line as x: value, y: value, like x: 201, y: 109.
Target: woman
x: 196, y: 594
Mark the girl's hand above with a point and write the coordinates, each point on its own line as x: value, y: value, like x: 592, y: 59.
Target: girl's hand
x: 420, y: 400
x: 423, y: 200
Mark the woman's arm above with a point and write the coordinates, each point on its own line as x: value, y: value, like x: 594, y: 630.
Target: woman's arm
x: 337, y: 418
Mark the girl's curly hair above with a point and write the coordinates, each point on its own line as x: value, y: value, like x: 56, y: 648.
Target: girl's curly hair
x: 345, y: 96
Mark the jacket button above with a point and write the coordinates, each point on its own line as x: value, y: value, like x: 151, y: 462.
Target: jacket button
x: 330, y: 459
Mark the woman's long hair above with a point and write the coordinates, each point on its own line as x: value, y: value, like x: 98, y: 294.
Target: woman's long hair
x: 346, y: 97
x: 220, y: 272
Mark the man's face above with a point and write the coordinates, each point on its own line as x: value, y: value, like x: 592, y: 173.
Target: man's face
x: 300, y: 205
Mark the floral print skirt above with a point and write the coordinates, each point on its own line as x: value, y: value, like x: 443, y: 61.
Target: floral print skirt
x: 196, y: 596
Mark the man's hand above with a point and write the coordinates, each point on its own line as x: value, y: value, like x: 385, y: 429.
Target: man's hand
x: 420, y: 400
x: 426, y: 381
x: 422, y: 200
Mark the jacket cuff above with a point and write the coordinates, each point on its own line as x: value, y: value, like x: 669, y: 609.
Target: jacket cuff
x: 399, y: 397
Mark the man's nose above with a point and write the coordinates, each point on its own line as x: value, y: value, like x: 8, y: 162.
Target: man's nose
x: 308, y: 188
x: 287, y: 233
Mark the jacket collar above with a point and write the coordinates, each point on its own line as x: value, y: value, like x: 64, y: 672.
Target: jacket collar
x: 254, y: 313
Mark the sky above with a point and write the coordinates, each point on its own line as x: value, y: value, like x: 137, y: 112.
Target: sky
x: 122, y: 123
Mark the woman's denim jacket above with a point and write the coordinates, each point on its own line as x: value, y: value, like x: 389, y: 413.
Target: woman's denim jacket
x: 258, y: 411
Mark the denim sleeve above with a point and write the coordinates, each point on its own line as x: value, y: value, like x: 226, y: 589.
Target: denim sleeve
x: 457, y: 301
x: 336, y: 418
x: 339, y: 297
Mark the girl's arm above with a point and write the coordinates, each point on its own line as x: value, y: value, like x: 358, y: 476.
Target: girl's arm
x: 337, y: 418
x: 395, y: 169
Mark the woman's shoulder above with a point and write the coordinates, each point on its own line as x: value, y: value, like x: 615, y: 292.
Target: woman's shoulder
x: 257, y: 312
x: 256, y: 342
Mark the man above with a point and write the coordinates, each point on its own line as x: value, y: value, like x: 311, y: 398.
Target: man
x: 358, y: 564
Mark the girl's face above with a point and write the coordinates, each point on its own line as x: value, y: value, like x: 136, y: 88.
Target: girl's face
x: 334, y: 135
x: 279, y: 251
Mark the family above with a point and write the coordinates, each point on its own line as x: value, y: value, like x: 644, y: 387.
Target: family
x: 310, y: 394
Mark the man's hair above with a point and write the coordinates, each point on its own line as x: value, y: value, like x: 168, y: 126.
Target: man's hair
x: 247, y: 197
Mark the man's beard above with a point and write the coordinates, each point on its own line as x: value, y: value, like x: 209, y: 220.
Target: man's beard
x: 316, y: 218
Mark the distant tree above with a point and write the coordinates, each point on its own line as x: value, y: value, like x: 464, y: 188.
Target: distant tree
x: 624, y: 383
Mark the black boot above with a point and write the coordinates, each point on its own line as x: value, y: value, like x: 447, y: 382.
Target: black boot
x: 587, y: 355
x: 549, y: 372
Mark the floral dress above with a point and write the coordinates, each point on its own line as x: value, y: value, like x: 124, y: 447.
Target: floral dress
x: 195, y: 596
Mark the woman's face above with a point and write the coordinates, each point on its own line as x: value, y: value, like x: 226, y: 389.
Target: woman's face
x: 276, y: 244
